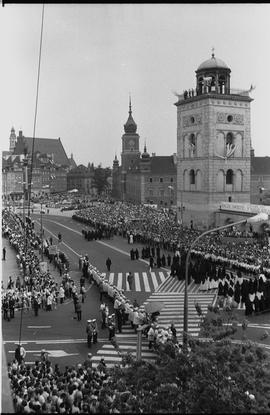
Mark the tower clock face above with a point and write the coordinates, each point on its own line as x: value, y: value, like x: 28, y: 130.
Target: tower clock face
x: 131, y: 143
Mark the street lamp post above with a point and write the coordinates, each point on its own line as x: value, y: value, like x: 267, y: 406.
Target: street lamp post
x: 254, y: 219
x: 41, y: 231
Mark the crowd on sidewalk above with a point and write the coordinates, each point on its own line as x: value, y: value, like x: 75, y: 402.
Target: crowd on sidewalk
x: 32, y: 289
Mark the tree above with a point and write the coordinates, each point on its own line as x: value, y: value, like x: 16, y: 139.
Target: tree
x: 100, y: 178
x: 215, y: 376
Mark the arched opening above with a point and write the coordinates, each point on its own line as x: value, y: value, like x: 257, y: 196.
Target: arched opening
x: 200, y: 86
x: 221, y: 84
x: 230, y: 146
x: 229, y: 177
x: 229, y: 138
x: 192, y: 177
x: 192, y: 145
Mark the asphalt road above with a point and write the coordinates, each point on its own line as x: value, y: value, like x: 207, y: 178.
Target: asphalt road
x: 58, y: 331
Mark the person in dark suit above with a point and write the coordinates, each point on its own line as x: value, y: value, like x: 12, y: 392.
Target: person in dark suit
x: 108, y: 264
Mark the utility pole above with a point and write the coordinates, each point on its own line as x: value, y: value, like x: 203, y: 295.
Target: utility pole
x: 41, y: 231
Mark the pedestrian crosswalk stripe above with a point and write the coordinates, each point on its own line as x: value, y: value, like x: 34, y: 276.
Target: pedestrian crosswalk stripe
x: 162, y: 276
x: 111, y: 277
x: 137, y: 281
x: 127, y: 284
x: 171, y: 312
x: 146, y: 283
x: 120, y: 281
x: 154, y: 279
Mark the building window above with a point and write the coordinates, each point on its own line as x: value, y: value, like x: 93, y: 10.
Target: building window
x: 229, y: 177
x: 161, y: 179
x: 192, y: 176
x: 150, y: 180
x: 161, y: 202
x: 171, y: 179
x: 230, y: 199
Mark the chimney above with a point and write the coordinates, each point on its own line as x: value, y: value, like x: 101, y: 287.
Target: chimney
x: 153, y: 154
x: 174, y: 158
x: 20, y: 133
x: 252, y: 152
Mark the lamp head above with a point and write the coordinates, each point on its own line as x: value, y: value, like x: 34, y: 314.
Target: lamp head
x: 261, y: 217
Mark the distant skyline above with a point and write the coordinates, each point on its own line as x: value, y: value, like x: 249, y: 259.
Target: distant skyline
x: 95, y: 55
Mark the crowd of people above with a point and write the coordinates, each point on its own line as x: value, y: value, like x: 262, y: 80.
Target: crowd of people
x: 44, y: 388
x: 33, y: 289
x: 156, y: 227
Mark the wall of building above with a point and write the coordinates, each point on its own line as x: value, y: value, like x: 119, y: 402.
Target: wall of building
x: 207, y: 119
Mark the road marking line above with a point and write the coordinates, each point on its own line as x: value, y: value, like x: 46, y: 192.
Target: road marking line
x: 154, y: 279
x: 39, y: 327
x: 146, y: 283
x: 119, y: 282
x: 137, y: 281
x: 111, y: 277
x: 162, y: 276
x: 127, y: 284
x: 76, y: 253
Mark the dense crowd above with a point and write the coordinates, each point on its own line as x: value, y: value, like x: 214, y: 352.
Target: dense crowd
x: 152, y: 226
x: 42, y: 388
x: 33, y: 288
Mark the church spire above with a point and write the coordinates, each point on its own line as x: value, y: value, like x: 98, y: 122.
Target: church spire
x: 130, y: 126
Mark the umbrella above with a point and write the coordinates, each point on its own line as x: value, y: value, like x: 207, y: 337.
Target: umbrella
x: 154, y: 306
x: 73, y: 191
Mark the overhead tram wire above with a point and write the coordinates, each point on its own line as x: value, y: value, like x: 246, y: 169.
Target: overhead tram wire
x: 29, y: 184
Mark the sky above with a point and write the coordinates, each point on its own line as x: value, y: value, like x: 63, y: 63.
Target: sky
x: 95, y: 55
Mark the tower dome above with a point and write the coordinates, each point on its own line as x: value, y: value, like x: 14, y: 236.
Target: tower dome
x: 213, y: 63
x: 213, y: 76
x: 130, y: 126
x: 145, y: 154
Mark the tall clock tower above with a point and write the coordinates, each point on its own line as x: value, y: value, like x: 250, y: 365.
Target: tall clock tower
x: 213, y: 144
x: 130, y: 155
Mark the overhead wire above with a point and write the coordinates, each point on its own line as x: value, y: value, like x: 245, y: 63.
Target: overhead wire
x: 28, y: 180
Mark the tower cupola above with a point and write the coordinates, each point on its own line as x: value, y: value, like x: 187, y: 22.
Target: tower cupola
x: 130, y: 127
x: 145, y: 154
x: 213, y: 76
x: 115, y: 162
x: 12, y: 140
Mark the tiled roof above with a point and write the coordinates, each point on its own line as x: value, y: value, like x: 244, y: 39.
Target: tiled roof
x: 163, y: 164
x: 260, y: 165
x: 43, y: 145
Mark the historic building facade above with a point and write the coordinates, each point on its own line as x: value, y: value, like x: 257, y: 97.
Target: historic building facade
x: 142, y: 178
x: 213, y: 144
x: 50, y: 166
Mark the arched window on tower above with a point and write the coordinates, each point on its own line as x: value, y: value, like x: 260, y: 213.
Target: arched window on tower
x: 230, y: 146
x: 229, y: 177
x: 192, y: 145
x: 192, y: 179
x: 221, y: 84
x: 200, y: 86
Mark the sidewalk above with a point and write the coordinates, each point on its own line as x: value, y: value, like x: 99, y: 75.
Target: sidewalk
x: 9, y: 266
